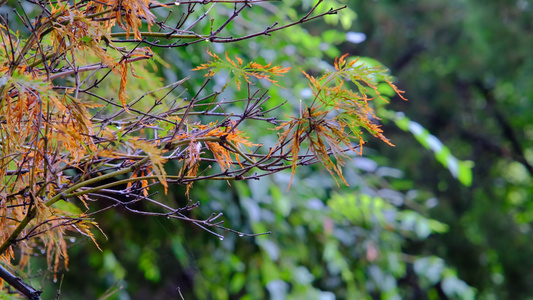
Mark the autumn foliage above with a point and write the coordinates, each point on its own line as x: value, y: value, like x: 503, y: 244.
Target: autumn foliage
x: 66, y: 145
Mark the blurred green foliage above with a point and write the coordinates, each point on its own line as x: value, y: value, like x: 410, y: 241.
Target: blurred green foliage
x: 405, y: 228
x: 465, y: 65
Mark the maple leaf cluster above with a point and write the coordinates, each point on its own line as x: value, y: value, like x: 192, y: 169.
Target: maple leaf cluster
x: 65, y: 143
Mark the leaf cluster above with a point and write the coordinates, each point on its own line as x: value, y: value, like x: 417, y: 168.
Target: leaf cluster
x: 334, y: 120
x: 69, y: 152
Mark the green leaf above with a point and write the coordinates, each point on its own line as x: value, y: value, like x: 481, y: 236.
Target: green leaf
x: 368, y: 61
x: 465, y: 172
x: 332, y: 36
x: 437, y: 226
x: 86, y: 39
x: 148, y: 264
x: 282, y: 203
x: 462, y: 170
x: 386, y: 90
x: 269, y: 271
x: 68, y: 207
x: 237, y: 282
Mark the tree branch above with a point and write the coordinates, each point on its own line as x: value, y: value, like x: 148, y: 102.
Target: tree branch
x: 20, y: 285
